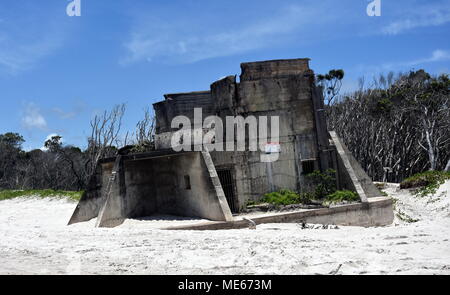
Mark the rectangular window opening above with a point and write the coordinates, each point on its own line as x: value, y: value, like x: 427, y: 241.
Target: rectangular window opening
x: 187, y: 182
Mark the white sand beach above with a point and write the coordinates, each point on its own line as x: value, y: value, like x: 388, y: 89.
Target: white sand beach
x: 34, y: 239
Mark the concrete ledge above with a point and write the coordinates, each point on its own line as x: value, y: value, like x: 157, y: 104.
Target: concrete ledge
x: 376, y: 212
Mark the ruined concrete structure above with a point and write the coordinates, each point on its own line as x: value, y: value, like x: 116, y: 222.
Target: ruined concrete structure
x: 215, y: 184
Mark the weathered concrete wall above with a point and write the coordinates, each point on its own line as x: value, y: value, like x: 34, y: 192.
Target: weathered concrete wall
x: 224, y: 93
x: 274, y: 68
x: 326, y: 160
x: 181, y: 104
x: 282, y: 88
x: 255, y: 178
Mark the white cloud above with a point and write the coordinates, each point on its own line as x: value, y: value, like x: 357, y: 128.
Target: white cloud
x: 71, y: 114
x: 186, y: 41
x: 63, y: 115
x: 438, y: 55
x: 32, y: 118
x: 21, y: 57
x: 417, y: 17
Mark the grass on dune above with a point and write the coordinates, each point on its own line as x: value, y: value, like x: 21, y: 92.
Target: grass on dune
x: 48, y: 193
x: 426, y: 183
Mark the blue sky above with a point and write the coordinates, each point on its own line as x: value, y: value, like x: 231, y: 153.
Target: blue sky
x: 56, y: 71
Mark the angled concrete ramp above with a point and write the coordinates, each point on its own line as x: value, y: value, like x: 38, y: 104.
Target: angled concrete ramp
x: 95, y: 200
x: 350, y: 173
x: 112, y: 213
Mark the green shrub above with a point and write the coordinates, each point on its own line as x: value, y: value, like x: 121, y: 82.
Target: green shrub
x: 324, y: 183
x: 424, y: 179
x: 250, y: 203
x: 306, y: 198
x: 340, y: 196
x: 283, y: 197
x: 426, y: 182
x: 11, y: 194
x: 286, y: 197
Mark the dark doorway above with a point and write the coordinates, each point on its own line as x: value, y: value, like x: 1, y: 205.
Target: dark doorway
x: 226, y: 180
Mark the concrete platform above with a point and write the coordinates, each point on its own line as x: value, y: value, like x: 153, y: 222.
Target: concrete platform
x: 377, y: 211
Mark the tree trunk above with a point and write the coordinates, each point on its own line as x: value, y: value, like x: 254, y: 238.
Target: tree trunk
x: 431, y: 155
x: 447, y: 167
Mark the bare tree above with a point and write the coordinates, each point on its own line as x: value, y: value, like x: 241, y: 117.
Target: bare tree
x: 432, y: 120
x: 398, y: 128
x: 64, y: 167
x: 145, y: 133
x: 105, y: 131
x: 447, y: 167
x: 431, y: 107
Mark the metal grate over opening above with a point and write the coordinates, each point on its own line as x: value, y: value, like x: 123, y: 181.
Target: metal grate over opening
x: 226, y: 180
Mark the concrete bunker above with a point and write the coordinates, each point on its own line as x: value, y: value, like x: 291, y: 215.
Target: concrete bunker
x: 214, y: 184
x: 182, y: 184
